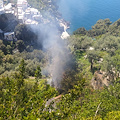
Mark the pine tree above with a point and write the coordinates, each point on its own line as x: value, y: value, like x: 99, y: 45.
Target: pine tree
x: 22, y: 69
x: 38, y: 74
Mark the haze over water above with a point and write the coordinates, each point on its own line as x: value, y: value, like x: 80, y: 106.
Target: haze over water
x: 85, y: 13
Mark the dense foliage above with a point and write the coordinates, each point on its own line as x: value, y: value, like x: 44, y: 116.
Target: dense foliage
x: 21, y: 99
x: 25, y: 99
x: 89, y: 89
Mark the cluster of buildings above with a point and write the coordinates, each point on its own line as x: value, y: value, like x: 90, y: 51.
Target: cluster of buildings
x: 23, y: 12
x: 26, y: 15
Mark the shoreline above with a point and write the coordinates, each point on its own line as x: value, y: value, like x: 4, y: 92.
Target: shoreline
x: 63, y: 24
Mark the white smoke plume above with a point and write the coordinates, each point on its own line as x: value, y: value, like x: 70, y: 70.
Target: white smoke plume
x: 59, y: 56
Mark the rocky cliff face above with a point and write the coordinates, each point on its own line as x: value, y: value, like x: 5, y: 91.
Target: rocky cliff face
x: 99, y: 80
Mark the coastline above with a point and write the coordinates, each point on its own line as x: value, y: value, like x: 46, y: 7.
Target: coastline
x: 65, y: 25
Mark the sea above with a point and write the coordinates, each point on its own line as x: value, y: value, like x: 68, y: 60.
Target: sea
x: 85, y: 13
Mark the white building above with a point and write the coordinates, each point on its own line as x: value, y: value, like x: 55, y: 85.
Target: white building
x: 1, y: 7
x: 10, y: 36
x: 23, y: 4
x: 23, y: 12
x: 34, y: 11
x: 9, y: 9
x: 21, y: 7
x: 29, y: 21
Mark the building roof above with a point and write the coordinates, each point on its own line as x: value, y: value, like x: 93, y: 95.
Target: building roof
x: 20, y: 17
x: 22, y: 2
x: 8, y: 6
x: 29, y: 21
x: 9, y: 33
x: 34, y: 10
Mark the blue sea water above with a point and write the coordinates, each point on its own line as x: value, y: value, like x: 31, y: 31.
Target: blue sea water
x: 85, y: 13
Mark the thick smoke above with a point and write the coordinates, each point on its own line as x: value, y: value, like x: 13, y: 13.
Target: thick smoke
x: 59, y: 57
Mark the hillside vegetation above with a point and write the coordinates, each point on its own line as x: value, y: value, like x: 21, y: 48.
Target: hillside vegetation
x: 89, y: 86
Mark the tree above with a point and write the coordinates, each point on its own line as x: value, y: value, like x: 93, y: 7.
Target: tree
x: 9, y: 49
x: 1, y: 56
x: 38, y: 74
x: 3, y: 47
x: 22, y: 69
x: 114, y: 29
x: 69, y: 79
x: 20, y: 45
x: 93, y: 56
x: 80, y: 31
x: 101, y: 27
x: 108, y: 67
x: 25, y: 33
x: 113, y: 115
x: 116, y: 60
x: 108, y: 43
x: 81, y: 43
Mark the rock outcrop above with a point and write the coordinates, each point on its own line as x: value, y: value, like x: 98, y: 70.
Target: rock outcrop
x: 99, y: 80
